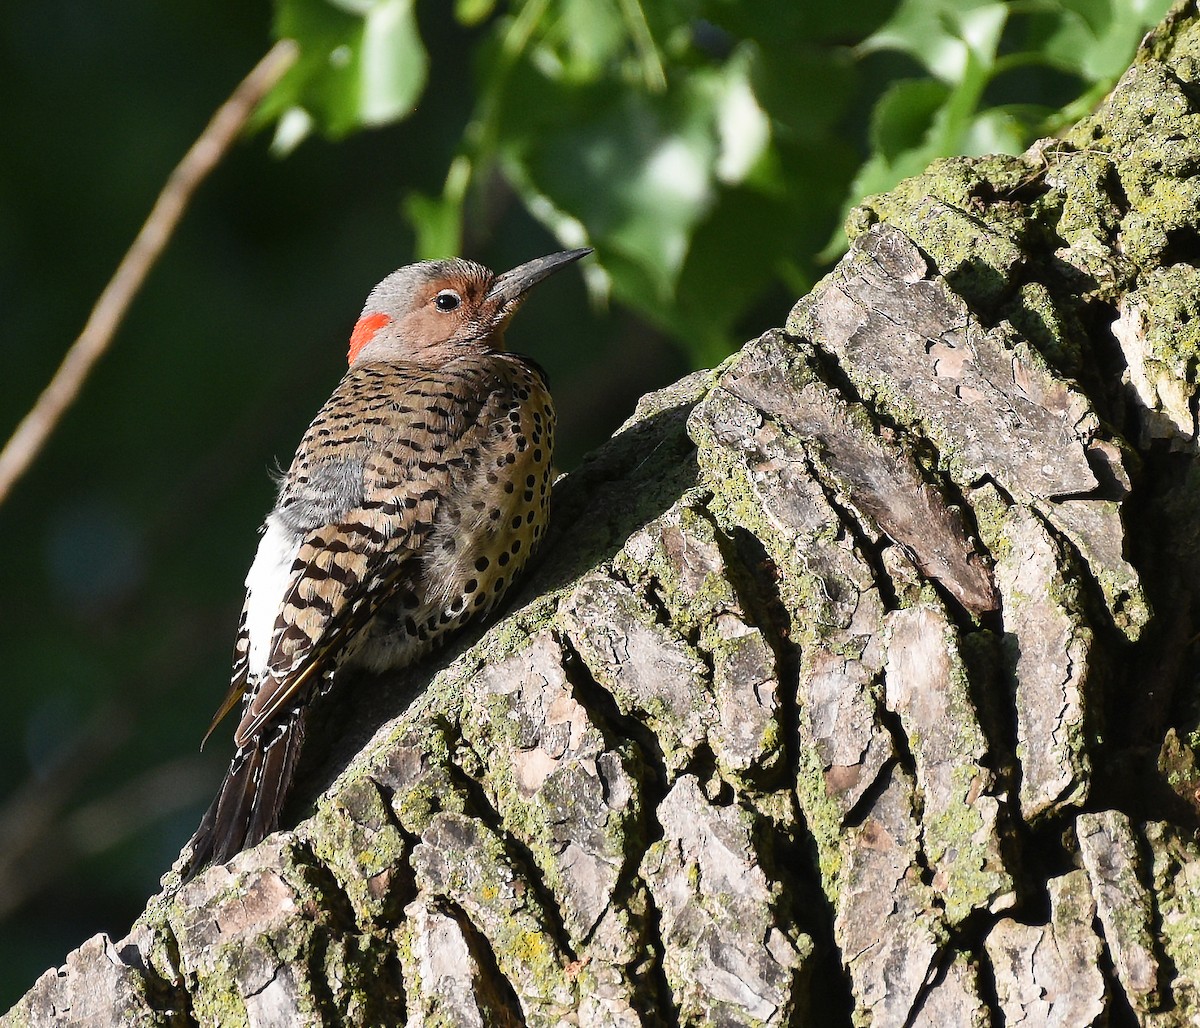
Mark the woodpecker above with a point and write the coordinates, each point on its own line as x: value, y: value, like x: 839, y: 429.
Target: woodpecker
x: 415, y: 498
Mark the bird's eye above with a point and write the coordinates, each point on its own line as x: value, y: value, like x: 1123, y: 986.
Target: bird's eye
x: 447, y: 300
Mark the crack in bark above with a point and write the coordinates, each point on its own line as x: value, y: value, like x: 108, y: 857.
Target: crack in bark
x: 653, y: 784
x: 495, y: 993
x: 521, y: 855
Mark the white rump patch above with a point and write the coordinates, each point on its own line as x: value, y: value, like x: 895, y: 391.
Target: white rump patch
x: 266, y: 586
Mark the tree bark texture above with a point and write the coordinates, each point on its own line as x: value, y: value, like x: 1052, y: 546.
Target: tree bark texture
x: 856, y: 685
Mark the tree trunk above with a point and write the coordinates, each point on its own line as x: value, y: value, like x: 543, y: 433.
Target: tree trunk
x: 855, y: 686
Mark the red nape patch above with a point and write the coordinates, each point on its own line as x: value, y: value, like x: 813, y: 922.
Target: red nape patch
x: 364, y: 331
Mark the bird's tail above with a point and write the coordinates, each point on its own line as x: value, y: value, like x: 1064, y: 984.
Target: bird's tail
x: 251, y: 797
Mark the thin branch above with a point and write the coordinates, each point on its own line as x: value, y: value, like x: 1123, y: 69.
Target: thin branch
x: 110, y: 309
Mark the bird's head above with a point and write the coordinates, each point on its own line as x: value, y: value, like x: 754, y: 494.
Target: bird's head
x: 434, y: 311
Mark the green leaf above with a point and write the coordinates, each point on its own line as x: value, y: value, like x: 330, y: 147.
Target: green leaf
x: 392, y: 63
x: 997, y: 130
x: 943, y: 35
x: 636, y: 169
x: 437, y: 221
x: 743, y: 129
x: 1108, y: 57
x: 361, y: 64
x: 1063, y: 39
x: 903, y: 116
x: 473, y: 12
x: 584, y: 40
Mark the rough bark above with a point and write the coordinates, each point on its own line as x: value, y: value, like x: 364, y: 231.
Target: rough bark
x: 855, y: 686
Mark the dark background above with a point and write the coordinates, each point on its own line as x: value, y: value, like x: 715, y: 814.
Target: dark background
x: 123, y: 551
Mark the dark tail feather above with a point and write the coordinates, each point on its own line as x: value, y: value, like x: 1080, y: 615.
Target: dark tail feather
x: 251, y: 797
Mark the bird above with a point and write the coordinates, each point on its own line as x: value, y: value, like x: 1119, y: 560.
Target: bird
x: 415, y: 499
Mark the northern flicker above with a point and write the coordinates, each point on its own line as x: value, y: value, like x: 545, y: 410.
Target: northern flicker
x: 416, y: 497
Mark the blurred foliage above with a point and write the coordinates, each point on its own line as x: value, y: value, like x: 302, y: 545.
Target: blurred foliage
x: 700, y: 145
x: 707, y: 148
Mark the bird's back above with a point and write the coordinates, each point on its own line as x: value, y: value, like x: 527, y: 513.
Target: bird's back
x: 479, y: 502
x: 415, y: 498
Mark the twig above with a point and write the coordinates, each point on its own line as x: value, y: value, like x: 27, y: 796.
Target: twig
x: 205, y: 153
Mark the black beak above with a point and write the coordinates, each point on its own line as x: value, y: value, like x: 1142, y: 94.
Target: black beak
x: 512, y: 285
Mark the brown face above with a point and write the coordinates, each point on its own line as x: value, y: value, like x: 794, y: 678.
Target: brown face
x: 452, y: 310
x: 427, y: 312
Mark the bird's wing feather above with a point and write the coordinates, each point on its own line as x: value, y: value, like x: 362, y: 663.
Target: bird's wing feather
x: 237, y: 676
x: 418, y: 432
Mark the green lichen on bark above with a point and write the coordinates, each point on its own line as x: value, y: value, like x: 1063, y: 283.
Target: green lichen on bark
x: 1107, y: 211
x: 1176, y: 884
x: 961, y: 839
